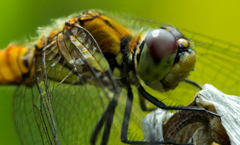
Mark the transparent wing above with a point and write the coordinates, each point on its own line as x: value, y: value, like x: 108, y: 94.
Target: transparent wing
x: 75, y: 115
x: 217, y: 63
x: 73, y: 88
x: 30, y: 126
x: 86, y: 87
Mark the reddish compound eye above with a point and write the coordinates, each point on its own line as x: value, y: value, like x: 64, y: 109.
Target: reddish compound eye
x: 162, y: 49
x: 160, y: 43
x: 158, y: 55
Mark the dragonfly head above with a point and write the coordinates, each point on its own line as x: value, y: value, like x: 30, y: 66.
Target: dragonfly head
x: 162, y: 51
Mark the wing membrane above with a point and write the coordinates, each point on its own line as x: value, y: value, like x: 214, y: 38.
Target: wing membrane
x: 28, y: 117
x: 74, y: 87
x: 78, y: 107
x: 218, y: 64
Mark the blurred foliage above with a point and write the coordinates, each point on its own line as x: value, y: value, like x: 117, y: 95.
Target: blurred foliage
x: 20, y: 19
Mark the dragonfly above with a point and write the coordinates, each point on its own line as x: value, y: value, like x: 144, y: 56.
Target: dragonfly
x: 77, y: 82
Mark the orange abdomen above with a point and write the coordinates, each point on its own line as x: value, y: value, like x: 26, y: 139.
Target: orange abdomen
x: 12, y: 64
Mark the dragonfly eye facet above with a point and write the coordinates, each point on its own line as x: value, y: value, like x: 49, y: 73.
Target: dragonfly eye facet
x: 161, y: 43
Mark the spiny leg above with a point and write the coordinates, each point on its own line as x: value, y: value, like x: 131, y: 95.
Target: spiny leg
x: 143, y: 103
x: 161, y: 105
x: 125, y: 124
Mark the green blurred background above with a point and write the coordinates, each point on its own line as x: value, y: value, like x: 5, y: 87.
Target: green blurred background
x: 20, y: 19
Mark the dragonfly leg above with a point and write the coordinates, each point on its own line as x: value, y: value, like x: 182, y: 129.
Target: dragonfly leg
x: 97, y: 128
x: 193, y: 83
x: 127, y: 113
x: 143, y: 104
x: 107, y: 117
x: 161, y: 105
x: 109, y: 120
x: 125, y: 125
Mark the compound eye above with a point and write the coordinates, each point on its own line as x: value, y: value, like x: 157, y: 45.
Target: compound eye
x: 160, y: 43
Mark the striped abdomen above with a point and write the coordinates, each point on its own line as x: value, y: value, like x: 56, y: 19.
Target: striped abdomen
x: 13, y: 64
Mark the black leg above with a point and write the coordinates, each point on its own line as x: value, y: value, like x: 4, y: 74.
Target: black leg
x: 125, y: 124
x: 126, y: 118
x: 161, y: 105
x: 97, y: 129
x: 109, y: 120
x: 143, y: 104
x: 107, y: 117
x: 193, y: 83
